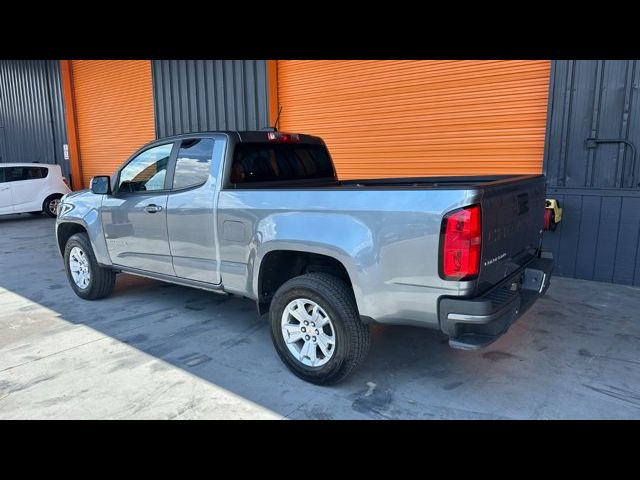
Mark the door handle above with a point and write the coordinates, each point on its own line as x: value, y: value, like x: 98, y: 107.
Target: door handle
x: 152, y: 208
x: 4, y: 188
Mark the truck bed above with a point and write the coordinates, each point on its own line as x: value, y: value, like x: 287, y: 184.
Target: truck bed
x: 392, y: 236
x: 467, y: 182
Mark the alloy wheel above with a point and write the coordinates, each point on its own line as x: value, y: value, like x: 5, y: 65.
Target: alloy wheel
x: 308, y: 332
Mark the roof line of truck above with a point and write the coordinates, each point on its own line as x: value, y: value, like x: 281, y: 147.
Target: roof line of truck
x: 240, y: 135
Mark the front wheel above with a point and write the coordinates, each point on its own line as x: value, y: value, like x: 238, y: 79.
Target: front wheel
x: 316, y: 328
x: 87, y: 278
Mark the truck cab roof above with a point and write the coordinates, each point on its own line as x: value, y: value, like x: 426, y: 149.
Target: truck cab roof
x: 248, y: 136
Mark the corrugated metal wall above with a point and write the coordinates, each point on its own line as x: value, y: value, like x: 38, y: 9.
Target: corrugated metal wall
x: 199, y: 95
x: 420, y: 118
x: 598, y: 187
x: 114, y: 112
x: 32, y: 124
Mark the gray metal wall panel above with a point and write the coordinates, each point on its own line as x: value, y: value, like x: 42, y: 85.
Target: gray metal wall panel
x: 607, y: 239
x: 578, y: 125
x: 199, y: 95
x: 588, y: 236
x: 599, y: 237
x: 628, y: 241
x: 32, y: 112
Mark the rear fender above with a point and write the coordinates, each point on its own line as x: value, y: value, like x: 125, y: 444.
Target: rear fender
x: 339, y: 236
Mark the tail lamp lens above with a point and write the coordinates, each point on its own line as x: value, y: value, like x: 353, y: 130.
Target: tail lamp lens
x: 461, y: 244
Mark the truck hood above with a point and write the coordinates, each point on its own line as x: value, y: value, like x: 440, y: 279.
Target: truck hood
x: 76, y: 194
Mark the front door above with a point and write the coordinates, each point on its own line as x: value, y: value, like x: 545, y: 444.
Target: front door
x: 6, y: 205
x: 134, y: 218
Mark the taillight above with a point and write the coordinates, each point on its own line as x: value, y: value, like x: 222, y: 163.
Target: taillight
x: 283, y: 137
x: 461, y: 242
x: 66, y: 182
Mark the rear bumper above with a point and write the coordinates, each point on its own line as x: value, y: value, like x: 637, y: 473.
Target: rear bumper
x: 475, y: 323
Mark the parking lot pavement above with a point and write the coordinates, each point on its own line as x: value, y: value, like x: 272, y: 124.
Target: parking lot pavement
x: 154, y: 350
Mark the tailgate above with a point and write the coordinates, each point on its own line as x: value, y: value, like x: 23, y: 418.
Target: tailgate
x: 512, y: 224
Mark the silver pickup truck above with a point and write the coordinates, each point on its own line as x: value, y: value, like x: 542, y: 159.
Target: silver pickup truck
x: 262, y: 215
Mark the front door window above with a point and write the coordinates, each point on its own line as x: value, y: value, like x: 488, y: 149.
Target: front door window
x: 147, y: 171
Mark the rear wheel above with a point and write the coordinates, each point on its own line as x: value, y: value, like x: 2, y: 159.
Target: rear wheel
x: 50, y: 205
x: 87, y: 278
x: 316, y: 328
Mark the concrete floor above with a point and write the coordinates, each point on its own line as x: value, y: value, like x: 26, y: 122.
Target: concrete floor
x: 154, y: 350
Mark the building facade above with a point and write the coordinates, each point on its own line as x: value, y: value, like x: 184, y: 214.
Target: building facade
x: 576, y: 121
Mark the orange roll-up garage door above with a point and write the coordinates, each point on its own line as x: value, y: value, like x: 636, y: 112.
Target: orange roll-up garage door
x: 114, y: 112
x: 419, y: 118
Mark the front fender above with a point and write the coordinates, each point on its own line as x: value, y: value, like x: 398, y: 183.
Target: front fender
x: 83, y: 210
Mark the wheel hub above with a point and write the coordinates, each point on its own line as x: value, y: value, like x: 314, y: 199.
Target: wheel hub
x: 79, y: 267
x: 308, y: 332
x: 53, y: 206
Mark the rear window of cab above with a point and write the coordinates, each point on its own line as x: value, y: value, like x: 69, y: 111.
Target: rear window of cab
x: 263, y: 162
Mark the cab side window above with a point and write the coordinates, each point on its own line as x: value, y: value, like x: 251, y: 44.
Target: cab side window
x: 193, y: 163
x: 147, y: 171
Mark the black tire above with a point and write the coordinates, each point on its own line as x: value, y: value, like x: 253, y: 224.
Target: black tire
x: 102, y: 280
x: 47, y: 205
x: 336, y: 298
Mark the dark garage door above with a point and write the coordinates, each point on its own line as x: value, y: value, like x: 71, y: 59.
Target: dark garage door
x: 592, y: 169
x: 32, y: 125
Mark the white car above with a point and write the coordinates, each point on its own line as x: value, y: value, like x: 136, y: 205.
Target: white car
x: 31, y: 188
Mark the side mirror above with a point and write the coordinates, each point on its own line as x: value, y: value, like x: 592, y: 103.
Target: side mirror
x: 101, y: 185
